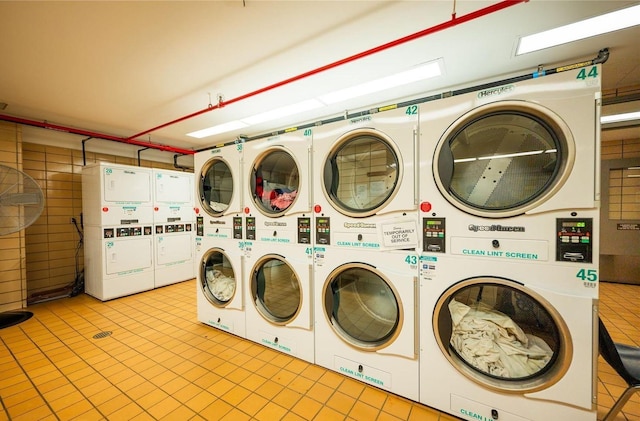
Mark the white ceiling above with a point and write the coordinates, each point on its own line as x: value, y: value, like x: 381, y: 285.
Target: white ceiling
x: 121, y: 68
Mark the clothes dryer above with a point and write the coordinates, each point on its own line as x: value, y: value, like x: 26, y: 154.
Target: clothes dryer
x: 174, y: 223
x: 278, y: 189
x: 219, y: 239
x: 219, y: 181
x: 220, y: 289
x: 279, y: 285
x: 508, y: 341
x: 115, y: 194
x: 510, y: 159
x: 366, y: 317
x: 365, y: 181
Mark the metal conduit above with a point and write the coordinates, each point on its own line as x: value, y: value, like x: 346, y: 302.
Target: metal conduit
x: 453, y: 22
x: 132, y: 139
x: 82, y: 132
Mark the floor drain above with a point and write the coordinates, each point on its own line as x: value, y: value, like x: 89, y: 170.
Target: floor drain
x: 102, y: 334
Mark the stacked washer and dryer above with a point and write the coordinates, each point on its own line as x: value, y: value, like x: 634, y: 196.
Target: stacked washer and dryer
x: 509, y: 266
x: 278, y: 246
x: 138, y: 226
x: 451, y: 240
x: 219, y: 239
x: 365, y: 261
x: 117, y: 210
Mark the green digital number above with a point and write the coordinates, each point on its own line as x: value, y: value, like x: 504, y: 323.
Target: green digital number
x: 411, y: 260
x: 590, y: 275
x: 593, y: 72
x: 412, y: 110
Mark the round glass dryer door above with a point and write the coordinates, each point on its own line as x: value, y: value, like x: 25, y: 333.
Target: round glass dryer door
x: 274, y: 182
x: 503, y: 159
x: 501, y: 335
x: 362, y: 307
x: 216, y: 186
x: 276, y: 290
x: 217, y: 277
x: 362, y: 173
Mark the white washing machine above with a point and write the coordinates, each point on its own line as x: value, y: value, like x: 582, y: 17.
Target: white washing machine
x: 220, y: 289
x: 219, y: 239
x: 511, y: 341
x: 118, y: 230
x: 278, y: 188
x: 366, y: 317
x: 509, y: 199
x: 509, y: 160
x: 279, y: 286
x: 174, y: 226
x: 365, y: 181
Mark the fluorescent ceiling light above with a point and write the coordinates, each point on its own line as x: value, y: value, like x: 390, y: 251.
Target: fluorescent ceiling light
x: 598, y: 25
x: 220, y: 128
x: 425, y: 71
x: 616, y: 118
x: 288, y: 110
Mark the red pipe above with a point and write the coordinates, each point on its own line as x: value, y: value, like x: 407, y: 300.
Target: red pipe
x: 453, y: 22
x: 82, y: 132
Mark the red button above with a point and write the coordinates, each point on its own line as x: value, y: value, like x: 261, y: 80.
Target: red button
x: 247, y: 210
x: 317, y: 208
x: 105, y: 209
x: 425, y: 206
x: 155, y: 209
x: 197, y: 210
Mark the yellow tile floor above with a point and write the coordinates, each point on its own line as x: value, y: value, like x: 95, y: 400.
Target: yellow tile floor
x: 159, y: 362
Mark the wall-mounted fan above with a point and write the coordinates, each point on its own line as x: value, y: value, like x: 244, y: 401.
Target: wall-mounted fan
x: 21, y: 200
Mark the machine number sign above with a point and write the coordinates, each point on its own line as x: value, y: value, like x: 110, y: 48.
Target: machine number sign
x: 588, y: 277
x: 593, y: 72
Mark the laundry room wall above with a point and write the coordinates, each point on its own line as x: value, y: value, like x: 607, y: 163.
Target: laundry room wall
x: 13, y: 286
x: 620, y: 249
x: 51, y: 242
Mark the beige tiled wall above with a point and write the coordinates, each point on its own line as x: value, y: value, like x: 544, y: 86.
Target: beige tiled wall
x: 12, y: 246
x: 620, y: 149
x: 52, y: 241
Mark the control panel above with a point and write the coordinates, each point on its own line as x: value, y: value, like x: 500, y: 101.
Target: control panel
x: 574, y: 241
x: 250, y: 227
x: 304, y: 230
x: 171, y: 228
x: 126, y: 231
x: 433, y: 235
x: 237, y: 227
x: 200, y: 226
x: 323, y: 231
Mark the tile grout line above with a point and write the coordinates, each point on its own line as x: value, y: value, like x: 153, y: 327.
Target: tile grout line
x: 27, y: 376
x: 4, y: 408
x: 87, y: 398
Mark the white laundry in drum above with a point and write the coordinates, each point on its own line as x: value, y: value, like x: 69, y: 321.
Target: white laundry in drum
x: 494, y: 343
x: 221, y: 286
x: 218, y: 207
